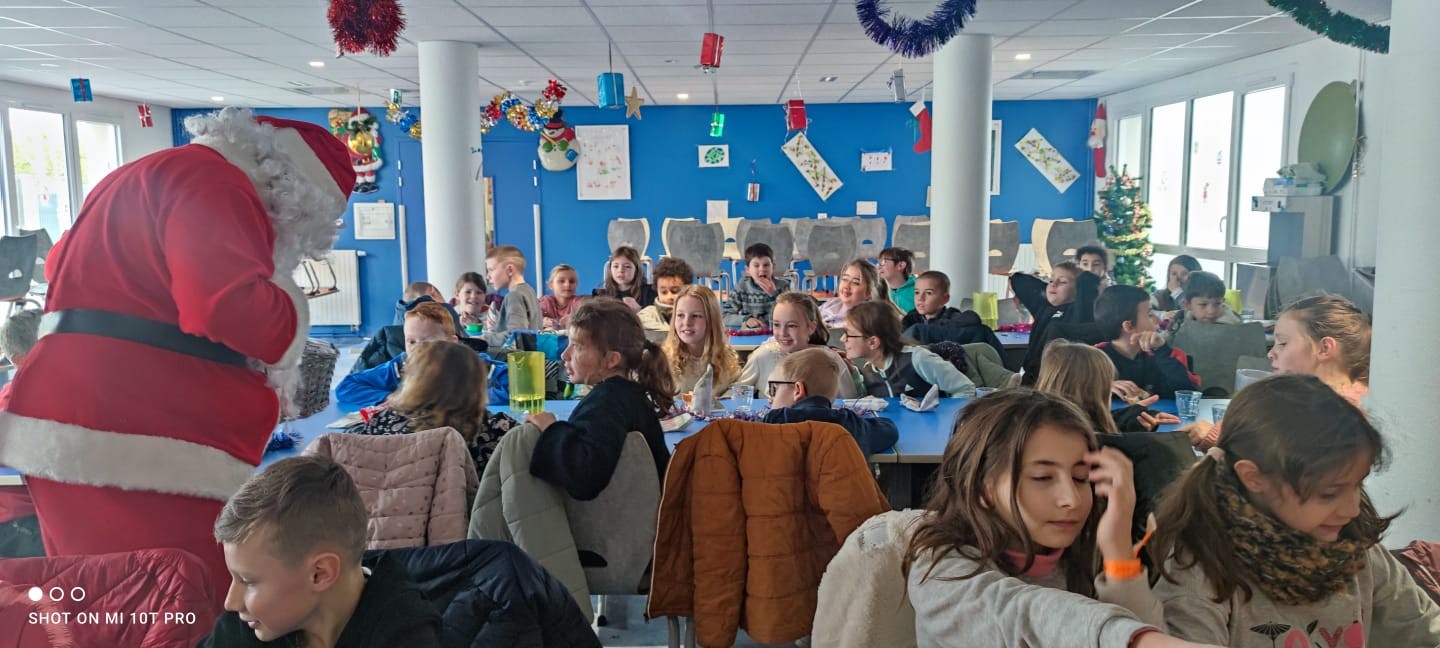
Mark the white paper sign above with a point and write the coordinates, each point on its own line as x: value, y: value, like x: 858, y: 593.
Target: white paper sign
x: 875, y: 160
x: 375, y: 221
x: 603, y: 172
x: 1047, y: 160
x: 714, y: 155
x: 716, y: 210
x: 866, y: 208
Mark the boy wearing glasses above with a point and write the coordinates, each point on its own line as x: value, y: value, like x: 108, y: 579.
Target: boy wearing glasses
x: 803, y: 388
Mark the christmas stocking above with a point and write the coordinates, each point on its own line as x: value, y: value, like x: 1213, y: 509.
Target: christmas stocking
x: 922, y: 116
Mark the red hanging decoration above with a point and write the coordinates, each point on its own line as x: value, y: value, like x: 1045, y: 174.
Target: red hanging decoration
x: 795, y: 115
x: 712, y: 47
x: 366, y: 24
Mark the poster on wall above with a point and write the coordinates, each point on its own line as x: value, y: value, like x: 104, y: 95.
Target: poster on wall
x: 374, y: 221
x: 871, y: 161
x: 714, y: 155
x: 1048, y: 161
x: 603, y: 173
x: 808, y: 162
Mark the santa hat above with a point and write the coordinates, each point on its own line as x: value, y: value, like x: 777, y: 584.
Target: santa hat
x: 318, y: 155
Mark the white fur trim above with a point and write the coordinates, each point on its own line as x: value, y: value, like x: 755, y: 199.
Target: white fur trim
x: 291, y: 358
x: 77, y: 455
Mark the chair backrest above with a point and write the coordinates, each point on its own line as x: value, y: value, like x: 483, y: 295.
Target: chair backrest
x: 665, y: 231
x: 633, y: 232
x: 42, y: 250
x: 1215, y: 349
x: 17, y: 265
x: 775, y: 235
x: 619, y: 525
x: 870, y: 232
x: 832, y: 245
x: 914, y: 236
x: 701, y: 245
x: 905, y: 220
x: 1055, y: 241
x: 800, y: 230
x: 1004, y: 246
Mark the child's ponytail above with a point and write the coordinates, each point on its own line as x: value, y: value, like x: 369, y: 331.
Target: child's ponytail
x: 1192, y: 532
x: 653, y: 373
x: 612, y: 326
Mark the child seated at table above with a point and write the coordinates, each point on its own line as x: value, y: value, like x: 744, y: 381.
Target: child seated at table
x: 1009, y: 551
x: 1145, y: 364
x: 1094, y: 259
x: 804, y: 387
x: 1068, y: 298
x: 896, y: 267
x: 19, y: 526
x: 1171, y: 298
x: 624, y: 282
x: 889, y: 365
x: 697, y: 341
x: 421, y: 292
x: 371, y: 387
x: 859, y: 282
x: 1204, y: 301
x: 557, y: 307
x: 472, y: 299
x: 671, y: 274
x: 796, y: 325
x: 293, y: 536
x: 750, y: 302
x: 444, y: 385
x: 630, y: 390
x: 934, y: 320
x: 1325, y: 336
x: 505, y: 267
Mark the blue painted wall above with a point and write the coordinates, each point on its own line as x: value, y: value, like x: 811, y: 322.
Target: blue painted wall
x: 666, y: 180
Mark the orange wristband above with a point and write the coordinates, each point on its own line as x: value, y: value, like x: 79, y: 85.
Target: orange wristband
x: 1118, y: 570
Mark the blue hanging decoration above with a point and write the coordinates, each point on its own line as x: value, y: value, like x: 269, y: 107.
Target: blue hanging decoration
x: 912, y: 38
x: 612, y: 89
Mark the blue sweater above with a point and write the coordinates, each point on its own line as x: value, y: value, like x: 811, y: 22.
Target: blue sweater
x: 872, y: 433
x: 369, y: 387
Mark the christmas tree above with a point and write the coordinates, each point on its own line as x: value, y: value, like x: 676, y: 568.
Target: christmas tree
x: 1123, y: 225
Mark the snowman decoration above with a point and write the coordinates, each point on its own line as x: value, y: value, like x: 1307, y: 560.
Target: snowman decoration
x: 362, y: 138
x: 558, y: 148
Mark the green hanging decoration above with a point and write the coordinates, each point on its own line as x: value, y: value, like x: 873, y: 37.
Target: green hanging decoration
x: 1122, y: 223
x: 1337, y: 26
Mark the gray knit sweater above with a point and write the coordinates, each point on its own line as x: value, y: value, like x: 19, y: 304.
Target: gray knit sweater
x: 519, y: 311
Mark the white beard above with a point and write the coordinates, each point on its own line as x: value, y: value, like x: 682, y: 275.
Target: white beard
x: 303, y: 214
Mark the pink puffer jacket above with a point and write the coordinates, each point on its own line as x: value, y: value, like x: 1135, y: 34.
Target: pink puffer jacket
x: 417, y: 487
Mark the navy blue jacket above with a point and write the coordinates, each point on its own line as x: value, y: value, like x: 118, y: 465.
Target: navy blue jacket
x: 872, y: 433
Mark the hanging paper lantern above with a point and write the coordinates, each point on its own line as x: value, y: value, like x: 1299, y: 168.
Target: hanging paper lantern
x: 795, y: 115
x: 611, y: 89
x: 717, y: 125
x: 711, y: 49
x: 359, y: 25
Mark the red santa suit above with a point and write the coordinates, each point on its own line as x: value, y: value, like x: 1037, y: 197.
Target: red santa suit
x: 127, y: 444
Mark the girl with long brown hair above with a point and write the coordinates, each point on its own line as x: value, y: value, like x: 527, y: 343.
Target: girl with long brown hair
x: 625, y: 281
x: 697, y: 340
x: 1011, y: 531
x: 859, y: 282
x: 796, y: 324
x: 630, y: 389
x: 1271, y: 540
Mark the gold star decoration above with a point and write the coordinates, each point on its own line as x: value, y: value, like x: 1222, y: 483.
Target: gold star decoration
x: 633, y: 103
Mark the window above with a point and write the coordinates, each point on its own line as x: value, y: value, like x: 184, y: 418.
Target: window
x: 99, y: 146
x: 1129, y: 144
x: 42, y: 182
x: 1167, y: 171
x: 1262, y: 151
x: 1208, y: 201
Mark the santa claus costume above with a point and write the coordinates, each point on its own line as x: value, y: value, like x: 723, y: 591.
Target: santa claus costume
x: 146, y: 403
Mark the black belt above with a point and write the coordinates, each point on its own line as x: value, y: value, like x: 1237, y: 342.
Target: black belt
x: 141, y: 331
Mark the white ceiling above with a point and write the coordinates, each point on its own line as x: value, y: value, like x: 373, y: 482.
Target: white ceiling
x: 180, y: 53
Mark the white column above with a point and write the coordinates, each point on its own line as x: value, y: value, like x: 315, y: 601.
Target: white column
x: 1404, y: 382
x: 960, y: 163
x: 454, y: 200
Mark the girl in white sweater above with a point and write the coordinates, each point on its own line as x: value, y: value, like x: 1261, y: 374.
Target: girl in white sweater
x: 1271, y: 540
x: 1006, y: 555
x: 795, y: 321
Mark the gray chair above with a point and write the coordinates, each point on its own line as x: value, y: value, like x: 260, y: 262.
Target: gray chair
x: 17, y: 267
x: 905, y: 220
x: 870, y: 232
x: 631, y: 232
x: 1215, y: 349
x: 702, y: 245
x: 618, y: 527
x: 800, y: 231
x: 1061, y: 240
x: 1004, y: 246
x: 832, y: 245
x: 775, y: 235
x: 914, y: 236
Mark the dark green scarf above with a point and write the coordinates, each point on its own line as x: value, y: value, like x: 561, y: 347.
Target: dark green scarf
x: 1290, y: 567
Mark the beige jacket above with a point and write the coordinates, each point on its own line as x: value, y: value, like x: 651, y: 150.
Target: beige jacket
x: 417, y: 487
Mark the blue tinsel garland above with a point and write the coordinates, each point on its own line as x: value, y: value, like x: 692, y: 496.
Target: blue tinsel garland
x: 912, y: 38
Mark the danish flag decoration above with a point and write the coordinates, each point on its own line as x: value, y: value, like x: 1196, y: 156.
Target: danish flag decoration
x: 146, y: 121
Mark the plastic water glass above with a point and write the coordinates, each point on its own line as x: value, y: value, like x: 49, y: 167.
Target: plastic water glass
x: 527, y: 381
x: 981, y: 392
x: 1246, y: 377
x: 743, y: 395
x: 1187, y: 404
x: 1217, y: 412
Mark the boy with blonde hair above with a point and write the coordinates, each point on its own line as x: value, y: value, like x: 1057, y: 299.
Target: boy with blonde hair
x: 293, y: 536
x: 505, y: 268
x: 803, y: 388
x: 421, y: 292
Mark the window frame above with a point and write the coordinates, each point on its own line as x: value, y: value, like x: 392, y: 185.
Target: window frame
x: 77, y: 185
x: 69, y: 116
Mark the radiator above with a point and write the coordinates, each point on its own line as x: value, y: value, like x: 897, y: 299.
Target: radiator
x: 1024, y: 262
x: 341, y: 308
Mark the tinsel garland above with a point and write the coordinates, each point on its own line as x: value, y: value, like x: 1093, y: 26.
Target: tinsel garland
x: 1337, y: 26
x: 1122, y: 223
x: 359, y: 25
x: 909, y: 37
x: 527, y: 117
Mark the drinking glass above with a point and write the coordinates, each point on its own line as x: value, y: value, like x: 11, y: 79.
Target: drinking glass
x: 981, y: 392
x: 1217, y: 412
x: 527, y: 381
x: 1187, y: 404
x: 1246, y: 377
x: 743, y: 395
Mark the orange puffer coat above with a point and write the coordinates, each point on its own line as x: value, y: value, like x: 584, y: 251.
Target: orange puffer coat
x: 750, y: 516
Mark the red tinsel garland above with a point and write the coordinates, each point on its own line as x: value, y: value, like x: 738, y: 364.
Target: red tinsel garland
x: 366, y: 24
